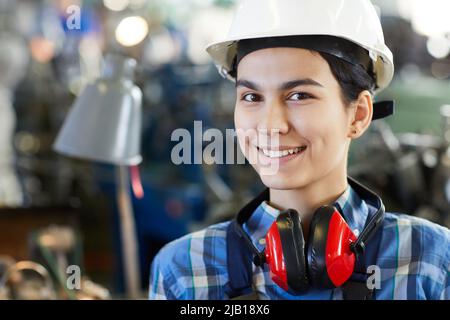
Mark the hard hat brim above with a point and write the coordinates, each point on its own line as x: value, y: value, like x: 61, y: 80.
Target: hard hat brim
x: 224, y: 52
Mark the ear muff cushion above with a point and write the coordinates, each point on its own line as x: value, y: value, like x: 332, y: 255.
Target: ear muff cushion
x: 315, y: 252
x: 293, y: 246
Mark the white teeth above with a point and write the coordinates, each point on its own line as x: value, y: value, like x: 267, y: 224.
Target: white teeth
x: 284, y: 153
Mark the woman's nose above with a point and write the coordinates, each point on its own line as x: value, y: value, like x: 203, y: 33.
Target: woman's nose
x: 274, y: 119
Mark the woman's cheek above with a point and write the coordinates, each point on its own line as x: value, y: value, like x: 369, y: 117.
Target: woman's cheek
x: 244, y: 132
x: 330, y: 150
x: 316, y: 134
x: 243, y: 143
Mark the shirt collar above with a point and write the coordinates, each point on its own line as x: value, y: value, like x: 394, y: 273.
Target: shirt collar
x: 350, y: 205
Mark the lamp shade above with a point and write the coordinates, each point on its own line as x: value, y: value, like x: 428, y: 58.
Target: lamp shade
x: 105, y: 122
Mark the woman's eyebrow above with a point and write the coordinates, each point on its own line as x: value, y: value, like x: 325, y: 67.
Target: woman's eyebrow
x: 247, y: 84
x: 285, y: 86
x: 300, y: 82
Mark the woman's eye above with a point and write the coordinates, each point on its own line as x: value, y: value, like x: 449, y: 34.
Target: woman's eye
x: 300, y: 96
x: 251, y: 97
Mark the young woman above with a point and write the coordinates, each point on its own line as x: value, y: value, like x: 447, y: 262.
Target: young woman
x: 306, y: 72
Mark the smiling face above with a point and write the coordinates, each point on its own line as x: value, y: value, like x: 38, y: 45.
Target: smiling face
x: 291, y: 96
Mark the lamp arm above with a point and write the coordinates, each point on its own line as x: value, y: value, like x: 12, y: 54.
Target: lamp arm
x: 128, y: 233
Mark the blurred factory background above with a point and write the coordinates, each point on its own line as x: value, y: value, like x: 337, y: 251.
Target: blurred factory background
x: 57, y: 211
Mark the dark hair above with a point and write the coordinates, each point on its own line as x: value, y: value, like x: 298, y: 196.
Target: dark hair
x: 353, y: 79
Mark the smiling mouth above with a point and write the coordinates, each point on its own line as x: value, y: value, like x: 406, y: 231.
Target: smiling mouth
x: 275, y: 154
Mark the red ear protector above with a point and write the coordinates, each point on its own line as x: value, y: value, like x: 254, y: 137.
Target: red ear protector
x: 327, y: 260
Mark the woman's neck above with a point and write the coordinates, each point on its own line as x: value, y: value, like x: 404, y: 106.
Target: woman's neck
x: 307, y: 199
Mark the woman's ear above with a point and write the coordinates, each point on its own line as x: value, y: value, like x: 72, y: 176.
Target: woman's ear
x: 361, y: 115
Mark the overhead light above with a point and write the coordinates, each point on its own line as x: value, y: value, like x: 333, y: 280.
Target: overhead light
x: 430, y: 18
x: 131, y: 31
x: 116, y: 5
x: 438, y: 47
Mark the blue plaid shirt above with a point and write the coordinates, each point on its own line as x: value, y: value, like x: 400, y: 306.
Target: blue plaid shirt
x: 414, y: 259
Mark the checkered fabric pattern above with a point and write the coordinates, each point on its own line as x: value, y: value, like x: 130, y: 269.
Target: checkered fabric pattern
x: 414, y: 259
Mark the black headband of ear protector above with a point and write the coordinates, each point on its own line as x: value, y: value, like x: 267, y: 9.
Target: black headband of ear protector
x: 338, y: 47
x: 358, y: 247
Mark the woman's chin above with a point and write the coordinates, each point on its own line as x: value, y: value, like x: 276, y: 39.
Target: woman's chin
x: 283, y: 182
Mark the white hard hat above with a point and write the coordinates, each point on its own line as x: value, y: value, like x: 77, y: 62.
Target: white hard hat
x: 353, y: 20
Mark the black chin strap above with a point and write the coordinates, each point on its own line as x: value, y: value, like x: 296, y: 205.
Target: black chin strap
x: 383, y: 109
x: 373, y: 223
